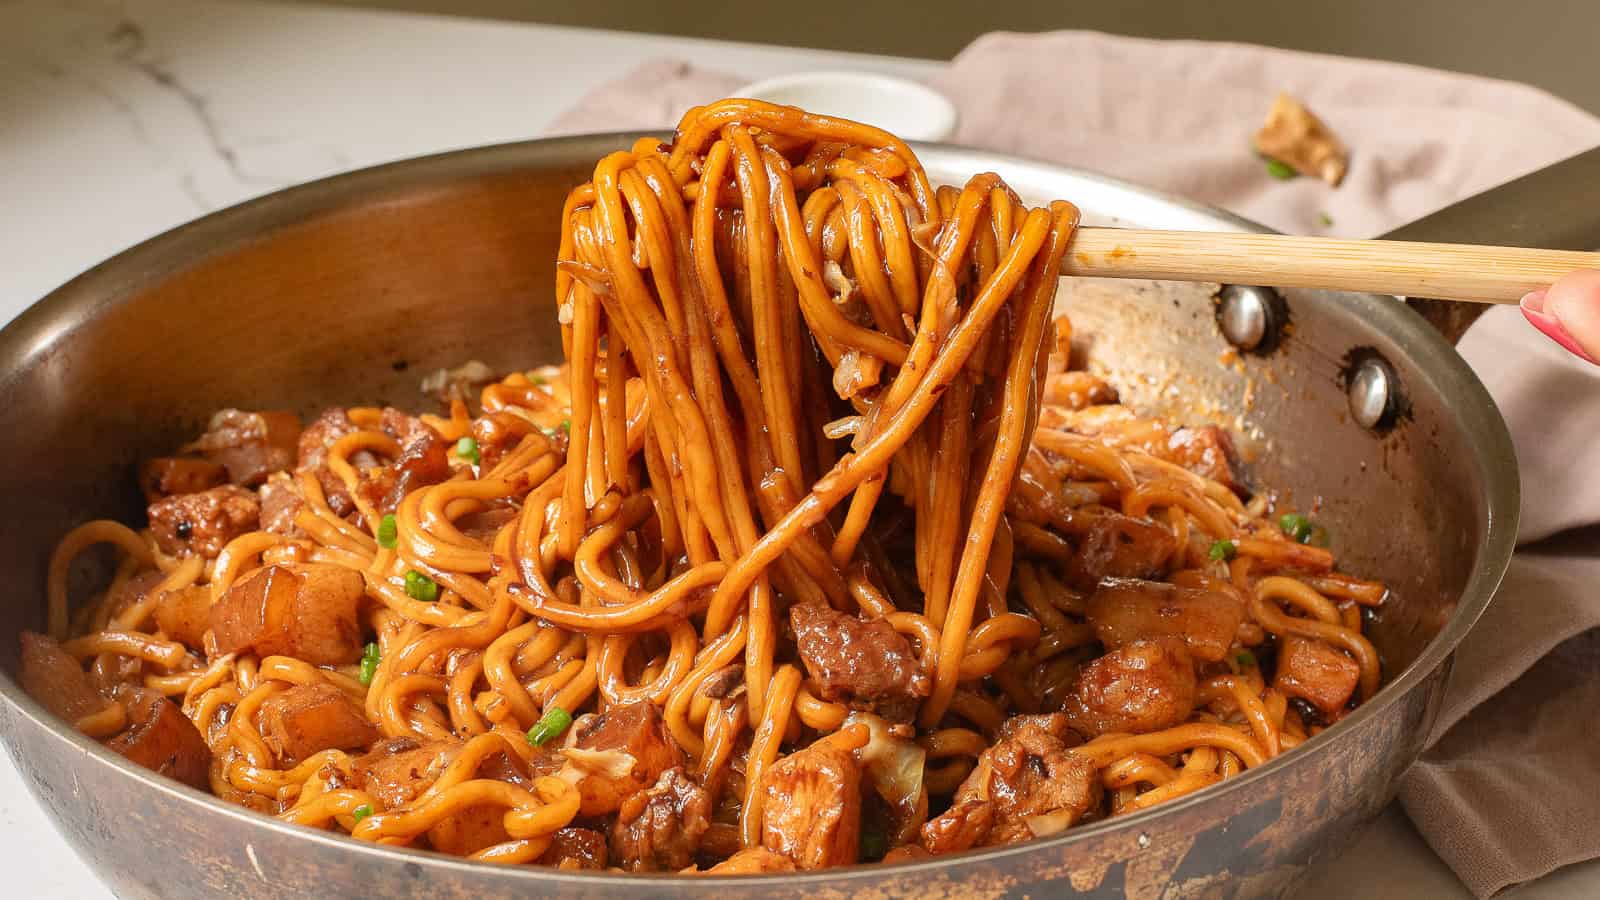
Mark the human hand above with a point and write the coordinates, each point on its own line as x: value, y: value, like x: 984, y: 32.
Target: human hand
x: 1568, y: 312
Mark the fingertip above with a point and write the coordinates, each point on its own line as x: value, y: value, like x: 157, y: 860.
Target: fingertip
x: 1574, y: 302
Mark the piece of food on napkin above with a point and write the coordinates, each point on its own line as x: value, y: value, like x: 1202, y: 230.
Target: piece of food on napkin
x: 1295, y: 137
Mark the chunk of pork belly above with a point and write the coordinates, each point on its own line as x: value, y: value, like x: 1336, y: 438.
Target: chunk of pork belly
x: 304, y: 611
x: 309, y: 718
x: 1140, y: 687
x: 161, y: 738
x: 1316, y: 673
x: 620, y: 752
x: 1025, y: 786
x: 1124, y: 610
x: 811, y: 807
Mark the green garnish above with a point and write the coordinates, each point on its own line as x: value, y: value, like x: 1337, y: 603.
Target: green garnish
x: 361, y: 812
x: 1296, y: 526
x: 538, y: 380
x: 1245, y: 659
x: 874, y: 844
x: 1222, y: 550
x: 467, y: 449
x: 1325, y: 218
x: 388, y: 532
x: 369, y: 663
x: 549, y: 727
x: 1281, y: 170
x: 566, y: 426
x: 421, y: 587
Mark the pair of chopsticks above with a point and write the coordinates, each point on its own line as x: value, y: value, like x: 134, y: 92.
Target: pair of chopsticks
x: 1403, y: 268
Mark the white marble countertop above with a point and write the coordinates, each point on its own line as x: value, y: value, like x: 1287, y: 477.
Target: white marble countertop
x: 120, y: 119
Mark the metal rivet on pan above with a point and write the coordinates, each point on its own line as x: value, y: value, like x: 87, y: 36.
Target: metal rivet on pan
x: 1250, y: 317
x: 1371, y: 387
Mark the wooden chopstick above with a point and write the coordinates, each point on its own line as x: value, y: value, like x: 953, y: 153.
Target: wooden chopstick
x: 1404, y: 268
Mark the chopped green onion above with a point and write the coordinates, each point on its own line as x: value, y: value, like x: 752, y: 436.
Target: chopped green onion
x: 549, y: 727
x: 1222, y: 550
x: 467, y: 449
x: 369, y: 663
x: 1325, y: 218
x: 1281, y: 170
x: 538, y: 380
x: 361, y: 812
x: 566, y: 426
x: 388, y: 532
x: 1296, y: 526
x: 1245, y: 658
x: 421, y: 587
x: 874, y: 844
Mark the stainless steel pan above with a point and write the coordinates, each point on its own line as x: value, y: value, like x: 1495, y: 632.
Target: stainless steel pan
x: 347, y: 290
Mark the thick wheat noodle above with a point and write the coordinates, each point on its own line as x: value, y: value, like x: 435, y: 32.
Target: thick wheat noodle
x: 1247, y: 698
x: 1198, y: 771
x: 100, y: 531
x: 1136, y: 769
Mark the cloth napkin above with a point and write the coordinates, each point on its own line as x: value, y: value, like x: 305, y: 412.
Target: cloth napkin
x: 1504, y: 793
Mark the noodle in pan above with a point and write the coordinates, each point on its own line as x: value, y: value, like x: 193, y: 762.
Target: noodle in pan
x: 816, y: 550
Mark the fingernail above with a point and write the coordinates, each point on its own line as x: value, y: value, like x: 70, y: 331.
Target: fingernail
x: 1533, y: 310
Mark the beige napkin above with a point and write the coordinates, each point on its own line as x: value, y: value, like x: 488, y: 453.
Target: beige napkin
x: 1505, y: 792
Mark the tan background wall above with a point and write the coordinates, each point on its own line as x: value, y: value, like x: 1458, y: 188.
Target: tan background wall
x: 1554, y: 44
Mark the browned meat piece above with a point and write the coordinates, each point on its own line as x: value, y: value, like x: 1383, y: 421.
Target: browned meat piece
x: 1137, y: 688
x: 1077, y: 390
x: 306, y: 611
x: 204, y: 523
x: 404, y: 427
x: 1113, y: 545
x: 280, y: 503
x: 1205, y: 450
x: 1316, y: 673
x: 621, y: 752
x: 1025, y: 786
x: 309, y: 718
x: 961, y: 827
x: 811, y: 807
x: 250, y: 445
x: 52, y: 677
x: 184, y: 615
x: 314, y: 442
x: 423, y: 461
x: 168, y: 476
x: 497, y: 434
x: 864, y: 663
x: 395, y: 771
x: 160, y: 737
x: 659, y: 828
x: 576, y: 848
x: 752, y: 861
x: 1123, y: 610
x: 1057, y: 725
